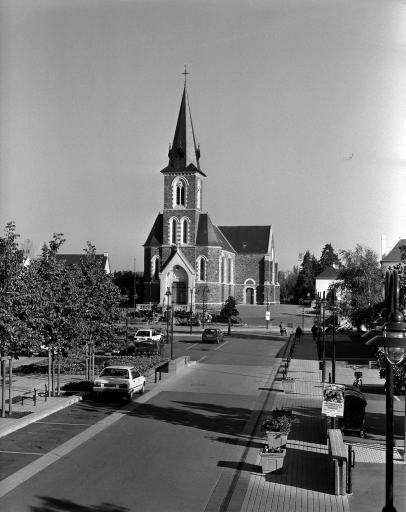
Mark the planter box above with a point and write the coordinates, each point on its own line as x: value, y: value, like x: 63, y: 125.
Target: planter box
x: 277, y: 439
x: 289, y: 386
x: 272, y: 462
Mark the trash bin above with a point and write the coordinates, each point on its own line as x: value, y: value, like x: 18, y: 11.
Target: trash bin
x: 354, y: 412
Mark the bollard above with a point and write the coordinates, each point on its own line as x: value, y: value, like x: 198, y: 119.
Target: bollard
x: 329, y: 378
x: 351, y: 464
x: 46, y: 392
x: 283, y: 374
x: 35, y: 396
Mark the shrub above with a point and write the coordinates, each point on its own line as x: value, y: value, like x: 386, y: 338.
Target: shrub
x: 83, y: 385
x: 277, y: 424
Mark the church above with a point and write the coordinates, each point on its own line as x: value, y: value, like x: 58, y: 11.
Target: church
x: 188, y: 260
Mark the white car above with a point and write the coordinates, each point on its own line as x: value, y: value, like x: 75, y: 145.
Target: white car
x: 120, y: 381
x: 147, y: 335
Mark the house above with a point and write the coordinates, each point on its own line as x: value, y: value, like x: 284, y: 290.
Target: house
x: 324, y: 280
x: 188, y: 260
x: 393, y: 257
x: 74, y: 259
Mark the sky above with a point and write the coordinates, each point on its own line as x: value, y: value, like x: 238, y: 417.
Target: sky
x: 299, y: 107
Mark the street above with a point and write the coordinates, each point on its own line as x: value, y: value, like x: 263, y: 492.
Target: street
x: 165, y: 451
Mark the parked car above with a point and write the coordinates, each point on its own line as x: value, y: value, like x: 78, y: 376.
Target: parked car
x: 213, y: 335
x: 147, y: 335
x: 148, y: 348
x: 43, y: 352
x: 119, y: 381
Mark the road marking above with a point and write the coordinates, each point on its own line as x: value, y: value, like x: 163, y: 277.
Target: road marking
x: 76, y: 424
x: 22, y: 453
x: 191, y: 346
x: 201, y: 359
x: 222, y: 345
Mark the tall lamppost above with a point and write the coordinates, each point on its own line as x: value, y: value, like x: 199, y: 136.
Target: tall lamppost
x: 266, y: 290
x: 391, y: 340
x: 191, y: 307
x: 168, y: 296
x: 205, y: 292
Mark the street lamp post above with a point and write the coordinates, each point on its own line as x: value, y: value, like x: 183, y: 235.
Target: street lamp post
x: 391, y: 340
x: 191, y: 309
x: 205, y: 291
x: 323, y: 374
x: 168, y: 295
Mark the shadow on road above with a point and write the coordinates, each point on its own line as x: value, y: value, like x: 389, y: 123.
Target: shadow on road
x: 57, y: 505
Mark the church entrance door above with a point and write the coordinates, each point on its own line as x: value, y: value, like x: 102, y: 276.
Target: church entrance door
x: 179, y: 295
x: 249, y: 296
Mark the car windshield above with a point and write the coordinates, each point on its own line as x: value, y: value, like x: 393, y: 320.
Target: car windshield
x: 142, y: 333
x: 210, y: 331
x: 115, y: 372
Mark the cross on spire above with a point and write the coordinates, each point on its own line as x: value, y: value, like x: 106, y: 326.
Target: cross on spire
x: 185, y: 73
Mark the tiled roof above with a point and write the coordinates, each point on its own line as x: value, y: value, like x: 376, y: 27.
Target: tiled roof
x: 155, y: 237
x: 394, y: 254
x: 248, y: 239
x: 209, y: 234
x: 329, y: 273
x: 74, y: 259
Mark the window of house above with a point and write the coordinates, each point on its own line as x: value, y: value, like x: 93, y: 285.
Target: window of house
x: 202, y: 269
x: 156, y: 269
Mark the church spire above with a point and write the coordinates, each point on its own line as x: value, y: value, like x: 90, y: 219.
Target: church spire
x: 184, y: 150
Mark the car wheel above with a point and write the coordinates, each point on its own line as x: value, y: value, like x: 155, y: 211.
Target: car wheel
x: 130, y: 396
x: 142, y: 390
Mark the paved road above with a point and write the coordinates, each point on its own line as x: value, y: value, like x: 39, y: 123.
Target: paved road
x: 166, y: 451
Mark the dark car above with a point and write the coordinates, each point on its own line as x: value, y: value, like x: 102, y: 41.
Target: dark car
x: 212, y: 335
x: 147, y: 348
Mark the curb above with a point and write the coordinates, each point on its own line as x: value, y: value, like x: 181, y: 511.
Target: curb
x: 32, y: 418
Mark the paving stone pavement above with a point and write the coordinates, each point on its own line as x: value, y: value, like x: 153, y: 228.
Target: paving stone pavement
x: 305, y: 483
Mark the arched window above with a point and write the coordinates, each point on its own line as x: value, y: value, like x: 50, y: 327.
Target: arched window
x: 180, y: 194
x: 174, y: 226
x: 156, y: 269
x: 202, y: 270
x: 184, y: 231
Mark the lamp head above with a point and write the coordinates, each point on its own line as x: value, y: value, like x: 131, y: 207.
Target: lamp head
x: 391, y: 340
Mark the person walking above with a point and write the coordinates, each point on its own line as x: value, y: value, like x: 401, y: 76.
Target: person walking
x: 314, y: 332
x: 282, y: 328
x: 298, y: 333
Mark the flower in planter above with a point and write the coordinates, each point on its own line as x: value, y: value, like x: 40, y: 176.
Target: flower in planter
x: 278, y: 423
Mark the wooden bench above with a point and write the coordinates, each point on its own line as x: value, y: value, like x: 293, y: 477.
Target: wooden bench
x: 338, y: 453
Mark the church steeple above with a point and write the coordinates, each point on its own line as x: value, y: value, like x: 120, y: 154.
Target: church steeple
x: 184, y: 151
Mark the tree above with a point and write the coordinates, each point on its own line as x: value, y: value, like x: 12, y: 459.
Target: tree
x: 12, y: 296
x: 305, y: 282
x: 328, y: 257
x: 287, y: 280
x: 126, y: 279
x: 360, y: 285
x: 229, y: 310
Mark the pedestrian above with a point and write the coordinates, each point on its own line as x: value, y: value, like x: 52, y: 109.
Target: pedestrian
x: 282, y: 328
x: 357, y: 383
x: 314, y: 332
x: 298, y: 333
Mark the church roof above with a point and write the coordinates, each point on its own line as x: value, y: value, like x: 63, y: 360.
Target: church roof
x: 184, y: 154
x: 209, y: 234
x: 156, y: 235
x: 248, y: 239
x: 395, y: 254
x: 329, y: 273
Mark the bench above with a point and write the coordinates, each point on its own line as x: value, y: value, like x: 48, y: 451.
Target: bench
x: 338, y: 453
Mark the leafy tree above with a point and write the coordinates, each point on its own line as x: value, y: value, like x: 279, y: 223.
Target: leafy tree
x: 305, y: 282
x: 12, y: 309
x: 360, y: 285
x: 229, y: 310
x: 125, y: 279
x: 287, y: 280
x: 328, y: 257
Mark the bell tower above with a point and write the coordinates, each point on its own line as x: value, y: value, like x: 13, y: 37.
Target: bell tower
x: 183, y: 183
